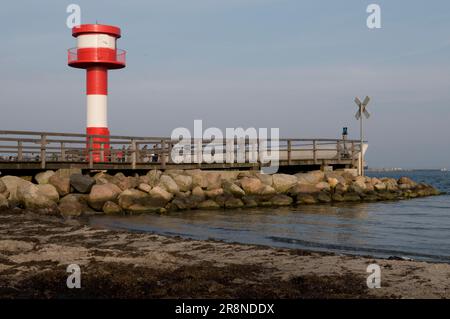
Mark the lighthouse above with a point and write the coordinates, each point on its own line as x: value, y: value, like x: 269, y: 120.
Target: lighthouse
x: 97, y: 52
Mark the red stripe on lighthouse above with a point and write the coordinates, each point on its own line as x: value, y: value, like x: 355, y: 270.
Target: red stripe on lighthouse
x: 97, y: 81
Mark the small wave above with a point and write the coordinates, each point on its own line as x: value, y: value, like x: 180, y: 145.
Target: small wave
x: 359, y: 250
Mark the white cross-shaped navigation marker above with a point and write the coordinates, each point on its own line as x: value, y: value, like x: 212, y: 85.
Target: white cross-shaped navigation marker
x: 362, y: 107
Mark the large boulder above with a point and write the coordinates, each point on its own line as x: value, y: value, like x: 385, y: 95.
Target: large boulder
x: 125, y: 182
x: 160, y: 193
x: 131, y: 197
x: 111, y: 208
x: 391, y: 185
x: 312, y: 177
x: 331, y: 177
x: 100, y: 194
x: 182, y: 203
x: 349, y: 177
x: 213, y: 193
x: 406, y: 180
x: 380, y: 186
x: 103, y: 178
x: 267, y: 190
x: 4, y: 204
x: 232, y: 188
x: 67, y: 172
x: 357, y: 187
x: 369, y: 187
x: 198, y: 178
x: 266, y: 179
x: 283, y: 182
x: 229, y: 176
x: 73, y: 205
x: 153, y: 177
x: 208, y: 204
x: 184, y: 182
x: 198, y: 193
x: 136, y: 201
x: 351, y: 197
x: 70, y: 208
x: 3, y: 188
x: 62, y: 184
x: 49, y: 191
x: 250, y: 201
x: 281, y: 200
x: 174, y: 172
x: 324, y: 197
x: 33, y: 198
x: 341, y: 188
x: 323, y: 186
x: 360, y: 179
x: 251, y: 185
x: 42, y: 177
x: 233, y: 203
x: 145, y: 187
x: 82, y: 183
x: 169, y: 184
x: 12, y: 183
x: 333, y: 182
x: 303, y: 189
x: 374, y: 181
x: 307, y: 199
x: 337, y: 197
x: 214, y: 180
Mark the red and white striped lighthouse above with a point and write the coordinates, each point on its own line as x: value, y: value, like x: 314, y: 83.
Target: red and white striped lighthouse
x: 97, y: 52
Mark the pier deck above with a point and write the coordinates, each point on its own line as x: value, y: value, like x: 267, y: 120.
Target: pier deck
x: 23, y: 150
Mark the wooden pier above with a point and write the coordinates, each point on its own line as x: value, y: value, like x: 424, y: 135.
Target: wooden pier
x: 35, y: 151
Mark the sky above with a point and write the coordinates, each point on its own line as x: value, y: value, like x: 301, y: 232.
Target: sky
x: 288, y: 64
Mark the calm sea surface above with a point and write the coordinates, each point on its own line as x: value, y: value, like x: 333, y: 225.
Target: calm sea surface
x: 417, y: 229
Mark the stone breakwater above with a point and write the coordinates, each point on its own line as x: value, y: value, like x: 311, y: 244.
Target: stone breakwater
x: 70, y: 193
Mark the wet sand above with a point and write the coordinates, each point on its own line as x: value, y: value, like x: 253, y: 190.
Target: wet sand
x: 36, y: 250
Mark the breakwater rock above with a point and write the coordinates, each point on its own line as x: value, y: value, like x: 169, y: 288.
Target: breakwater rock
x: 70, y: 193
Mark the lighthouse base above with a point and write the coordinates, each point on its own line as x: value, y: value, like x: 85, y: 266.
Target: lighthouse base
x: 100, y: 145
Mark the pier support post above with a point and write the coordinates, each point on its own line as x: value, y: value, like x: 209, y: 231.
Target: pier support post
x: 63, y: 152
x: 162, y: 154
x: 19, y: 151
x: 133, y: 154
x: 91, y: 149
x: 315, y: 151
x: 43, y: 150
x: 289, y: 152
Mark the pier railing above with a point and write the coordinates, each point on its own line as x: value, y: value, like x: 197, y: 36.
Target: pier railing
x: 47, y: 150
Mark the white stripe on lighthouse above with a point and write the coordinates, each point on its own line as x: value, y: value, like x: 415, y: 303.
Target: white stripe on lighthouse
x: 96, y: 41
x: 96, y: 110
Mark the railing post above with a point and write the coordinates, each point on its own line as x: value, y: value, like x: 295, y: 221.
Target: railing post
x: 314, y: 152
x: 133, y: 154
x: 338, y: 150
x: 91, y: 155
x: 102, y: 152
x: 199, y: 150
x: 169, y: 150
x: 19, y: 151
x: 289, y: 152
x: 258, y: 152
x: 43, y: 150
x: 113, y: 155
x: 63, y: 152
x: 353, y: 154
x: 162, y: 154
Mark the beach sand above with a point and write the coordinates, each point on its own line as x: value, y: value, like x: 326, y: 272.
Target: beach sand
x: 36, y: 250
